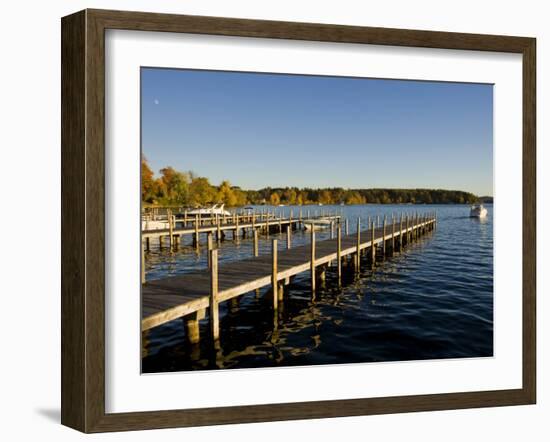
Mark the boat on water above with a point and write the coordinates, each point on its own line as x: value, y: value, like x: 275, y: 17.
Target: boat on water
x: 216, y: 209
x: 150, y: 224
x: 478, y: 211
x: 316, y: 224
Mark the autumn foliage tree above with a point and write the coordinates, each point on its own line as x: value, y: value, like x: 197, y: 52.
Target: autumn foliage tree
x: 177, y: 188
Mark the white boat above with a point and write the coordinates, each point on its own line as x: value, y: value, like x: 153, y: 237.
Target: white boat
x: 216, y: 209
x: 149, y: 224
x: 478, y: 211
x: 316, y: 224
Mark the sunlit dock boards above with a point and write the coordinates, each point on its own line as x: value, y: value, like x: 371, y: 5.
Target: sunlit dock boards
x: 191, y: 294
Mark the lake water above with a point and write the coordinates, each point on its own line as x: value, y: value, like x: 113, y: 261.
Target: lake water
x: 432, y: 301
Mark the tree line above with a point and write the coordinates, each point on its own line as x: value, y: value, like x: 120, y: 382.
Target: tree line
x: 177, y: 188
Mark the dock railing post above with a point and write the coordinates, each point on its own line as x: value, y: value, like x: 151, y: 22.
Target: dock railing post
x: 288, y: 236
x: 384, y: 237
x: 267, y: 225
x: 347, y: 227
x: 210, y: 247
x: 197, y: 231
x: 373, y: 247
x: 312, y: 258
x: 392, y: 234
x: 170, y: 229
x: 332, y: 230
x: 142, y: 261
x: 339, y: 251
x: 274, y: 283
x: 358, y: 246
x: 424, y: 223
x: 255, y: 242
x: 401, y: 232
x: 214, y: 309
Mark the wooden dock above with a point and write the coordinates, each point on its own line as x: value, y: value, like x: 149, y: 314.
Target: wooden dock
x: 238, y: 224
x: 189, y: 296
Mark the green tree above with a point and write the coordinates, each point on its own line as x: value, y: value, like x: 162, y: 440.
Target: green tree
x: 226, y: 194
x: 147, y: 182
x: 274, y: 199
x: 201, y: 192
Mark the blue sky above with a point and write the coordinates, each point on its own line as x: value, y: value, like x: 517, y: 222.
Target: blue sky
x: 258, y: 130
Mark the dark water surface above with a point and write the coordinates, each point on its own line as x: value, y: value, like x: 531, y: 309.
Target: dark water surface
x: 432, y: 301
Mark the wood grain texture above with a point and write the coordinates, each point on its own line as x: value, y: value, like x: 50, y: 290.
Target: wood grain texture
x: 529, y: 221
x: 83, y: 217
x: 73, y: 252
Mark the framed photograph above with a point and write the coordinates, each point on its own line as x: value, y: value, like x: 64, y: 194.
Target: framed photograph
x: 268, y: 220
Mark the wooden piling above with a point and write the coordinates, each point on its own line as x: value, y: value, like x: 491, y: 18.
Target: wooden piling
x: 392, y: 234
x: 339, y: 251
x: 171, y: 229
x: 288, y: 237
x: 255, y: 242
x: 142, y: 263
x: 274, y: 284
x: 401, y: 232
x: 192, y: 327
x: 209, y: 247
x: 312, y: 259
x: 384, y: 237
x: 214, y: 308
x: 372, y: 248
x: 347, y: 227
x: 197, y: 231
x: 358, y: 246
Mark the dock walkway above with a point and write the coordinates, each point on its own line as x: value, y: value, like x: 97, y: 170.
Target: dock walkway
x: 189, y: 295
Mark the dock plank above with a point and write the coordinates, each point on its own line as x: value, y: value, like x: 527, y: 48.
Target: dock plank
x: 166, y: 299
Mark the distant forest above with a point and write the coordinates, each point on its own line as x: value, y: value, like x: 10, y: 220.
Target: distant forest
x: 187, y: 189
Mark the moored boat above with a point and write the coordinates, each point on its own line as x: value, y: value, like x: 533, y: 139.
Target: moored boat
x: 478, y: 211
x: 316, y: 224
x: 150, y: 224
x: 216, y: 209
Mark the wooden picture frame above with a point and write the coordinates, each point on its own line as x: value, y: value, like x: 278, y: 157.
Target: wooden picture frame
x: 83, y: 220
